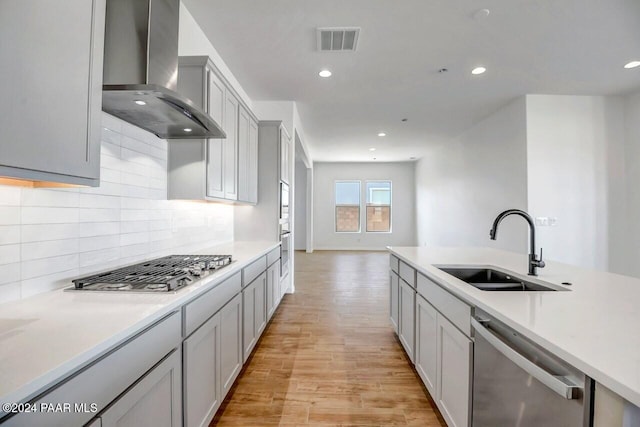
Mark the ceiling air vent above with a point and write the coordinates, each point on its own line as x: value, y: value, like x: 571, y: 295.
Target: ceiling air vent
x: 337, y: 39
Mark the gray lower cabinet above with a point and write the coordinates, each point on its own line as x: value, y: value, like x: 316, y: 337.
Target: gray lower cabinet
x: 230, y: 343
x: 393, y: 300
x: 154, y: 401
x: 202, y: 383
x: 406, y: 316
x: 426, y: 343
x: 455, y: 359
x: 273, y: 288
x: 51, y: 113
x: 254, y: 307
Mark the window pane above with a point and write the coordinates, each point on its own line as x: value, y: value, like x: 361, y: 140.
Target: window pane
x: 348, y: 206
x: 347, y: 219
x: 348, y: 193
x: 378, y: 206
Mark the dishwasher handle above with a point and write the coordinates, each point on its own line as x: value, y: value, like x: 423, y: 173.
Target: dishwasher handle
x: 559, y: 384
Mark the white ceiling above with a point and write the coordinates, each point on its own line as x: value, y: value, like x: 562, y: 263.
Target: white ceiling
x: 574, y: 47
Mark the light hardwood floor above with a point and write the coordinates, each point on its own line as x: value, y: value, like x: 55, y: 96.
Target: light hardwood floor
x: 329, y: 355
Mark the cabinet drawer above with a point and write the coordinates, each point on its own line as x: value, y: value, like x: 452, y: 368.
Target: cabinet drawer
x: 253, y: 270
x: 273, y: 256
x: 104, y: 380
x: 394, y: 263
x: 408, y: 274
x: 199, y: 310
x: 451, y: 307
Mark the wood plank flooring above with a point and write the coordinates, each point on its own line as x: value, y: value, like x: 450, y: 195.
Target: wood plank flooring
x: 329, y: 355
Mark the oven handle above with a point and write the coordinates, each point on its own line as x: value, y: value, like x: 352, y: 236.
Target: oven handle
x: 559, y: 384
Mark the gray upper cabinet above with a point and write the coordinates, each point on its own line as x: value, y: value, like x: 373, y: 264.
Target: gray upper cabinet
x: 214, y: 169
x: 51, y: 107
x: 247, y: 157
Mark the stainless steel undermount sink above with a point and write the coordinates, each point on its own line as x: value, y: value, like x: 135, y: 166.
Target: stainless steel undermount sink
x: 492, y: 279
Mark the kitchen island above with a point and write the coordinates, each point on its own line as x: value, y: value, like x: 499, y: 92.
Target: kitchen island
x: 592, y: 325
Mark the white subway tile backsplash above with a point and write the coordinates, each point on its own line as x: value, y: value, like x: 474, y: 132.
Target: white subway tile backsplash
x: 50, y: 248
x: 92, y: 229
x: 46, y: 215
x: 9, y: 196
x: 99, y: 215
x: 9, y: 254
x: 9, y: 215
x: 43, y: 232
x: 9, y: 234
x: 9, y: 273
x: 50, y: 236
x: 49, y: 198
x: 46, y: 266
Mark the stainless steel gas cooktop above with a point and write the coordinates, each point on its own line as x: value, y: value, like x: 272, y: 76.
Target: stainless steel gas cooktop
x: 165, y: 274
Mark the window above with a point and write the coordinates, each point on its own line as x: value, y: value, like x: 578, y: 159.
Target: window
x: 347, y: 206
x: 378, y: 206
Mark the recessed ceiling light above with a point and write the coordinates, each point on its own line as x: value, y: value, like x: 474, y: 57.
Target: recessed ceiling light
x: 324, y: 73
x: 372, y: 149
x: 478, y: 70
x: 139, y: 102
x: 632, y: 64
x: 187, y: 130
x: 382, y: 134
x: 481, y: 14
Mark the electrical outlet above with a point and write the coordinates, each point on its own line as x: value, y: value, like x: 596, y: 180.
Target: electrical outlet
x: 546, y: 221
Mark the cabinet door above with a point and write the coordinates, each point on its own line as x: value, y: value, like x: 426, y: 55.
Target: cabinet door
x: 253, y: 161
x: 426, y: 343
x: 393, y: 300
x: 201, y: 352
x: 406, y: 316
x: 215, y: 168
x: 455, y: 358
x: 216, y: 97
x: 230, y: 343
x: 260, y: 316
x: 230, y: 150
x: 273, y: 280
x: 155, y: 400
x: 51, y: 85
x: 244, y: 156
x: 249, y: 335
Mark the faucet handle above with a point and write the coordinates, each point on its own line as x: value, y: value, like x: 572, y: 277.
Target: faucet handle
x: 539, y: 262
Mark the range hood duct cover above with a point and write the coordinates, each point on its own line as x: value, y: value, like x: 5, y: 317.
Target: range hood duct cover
x: 141, y: 71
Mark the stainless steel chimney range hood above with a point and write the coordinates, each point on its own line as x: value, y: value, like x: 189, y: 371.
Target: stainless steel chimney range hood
x: 141, y: 71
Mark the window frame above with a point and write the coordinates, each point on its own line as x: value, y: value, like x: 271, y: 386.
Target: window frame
x: 366, y: 205
x: 359, y: 205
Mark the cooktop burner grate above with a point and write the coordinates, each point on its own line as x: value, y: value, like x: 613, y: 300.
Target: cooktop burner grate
x: 159, y: 275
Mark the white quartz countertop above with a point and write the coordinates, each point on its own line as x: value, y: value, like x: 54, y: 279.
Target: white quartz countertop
x: 593, y: 327
x: 45, y: 338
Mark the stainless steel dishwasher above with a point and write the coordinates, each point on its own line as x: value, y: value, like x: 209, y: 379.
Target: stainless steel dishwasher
x: 518, y: 384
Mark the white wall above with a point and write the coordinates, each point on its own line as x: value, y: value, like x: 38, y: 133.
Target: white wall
x: 626, y: 252
x: 300, y: 208
x: 50, y: 236
x: 575, y: 149
x: 403, y: 222
x: 193, y: 41
x: 462, y: 184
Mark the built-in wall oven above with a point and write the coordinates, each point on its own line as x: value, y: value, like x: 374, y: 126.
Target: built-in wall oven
x: 517, y: 383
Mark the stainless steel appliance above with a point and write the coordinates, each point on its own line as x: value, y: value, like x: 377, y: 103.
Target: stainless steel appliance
x: 285, y: 253
x: 517, y: 383
x: 164, y: 274
x: 284, y: 203
x: 141, y: 71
